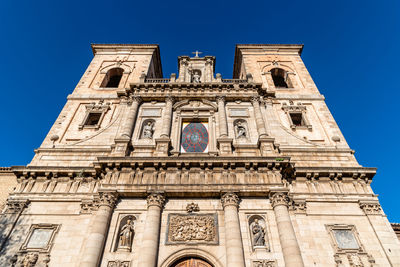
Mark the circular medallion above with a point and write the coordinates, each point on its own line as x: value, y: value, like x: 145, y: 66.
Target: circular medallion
x: 194, y: 137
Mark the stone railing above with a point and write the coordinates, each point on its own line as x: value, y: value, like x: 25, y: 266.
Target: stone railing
x: 157, y: 80
x: 233, y: 80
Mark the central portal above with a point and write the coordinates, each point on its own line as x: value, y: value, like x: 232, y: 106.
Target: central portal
x: 192, y: 262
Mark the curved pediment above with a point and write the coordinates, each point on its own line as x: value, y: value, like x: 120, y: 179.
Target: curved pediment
x: 201, y: 104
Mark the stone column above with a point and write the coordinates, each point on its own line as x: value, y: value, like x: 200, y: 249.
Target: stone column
x: 99, y: 225
x: 223, y: 125
x: 9, y: 218
x: 258, y: 115
x: 129, y: 121
x: 166, y: 127
x: 290, y: 247
x: 233, y: 238
x: 151, y: 235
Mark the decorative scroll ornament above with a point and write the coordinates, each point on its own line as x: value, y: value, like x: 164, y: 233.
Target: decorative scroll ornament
x: 16, y: 206
x: 118, y: 263
x: 220, y: 99
x: 29, y: 260
x: 183, y: 228
x: 355, y: 260
x: 264, y: 263
x: 108, y: 199
x: 371, y: 208
x: 300, y: 206
x: 279, y: 198
x: 155, y: 200
x: 230, y: 199
x: 192, y: 207
x: 136, y: 99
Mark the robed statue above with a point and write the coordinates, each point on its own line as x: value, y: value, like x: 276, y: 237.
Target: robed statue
x: 126, y: 235
x: 258, y: 234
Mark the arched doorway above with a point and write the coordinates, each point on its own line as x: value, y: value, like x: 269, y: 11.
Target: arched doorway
x: 191, y: 262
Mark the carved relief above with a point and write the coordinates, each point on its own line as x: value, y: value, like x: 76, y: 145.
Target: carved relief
x: 108, y: 199
x: 126, y: 233
x: 257, y: 227
x: 264, y: 263
x: 192, y: 228
x: 300, y: 206
x: 192, y: 207
x: 371, y: 208
x: 89, y: 205
x: 29, y: 260
x: 355, y: 260
x: 118, y: 263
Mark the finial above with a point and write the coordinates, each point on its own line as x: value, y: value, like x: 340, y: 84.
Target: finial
x: 197, y: 52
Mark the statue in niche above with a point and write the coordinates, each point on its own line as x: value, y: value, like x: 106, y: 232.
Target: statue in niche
x: 196, y: 76
x: 241, y: 131
x: 148, y: 130
x: 258, y: 233
x: 126, y: 235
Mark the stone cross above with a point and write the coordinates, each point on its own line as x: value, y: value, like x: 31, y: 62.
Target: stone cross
x: 197, y: 53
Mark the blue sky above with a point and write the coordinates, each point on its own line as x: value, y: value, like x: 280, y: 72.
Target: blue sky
x: 350, y: 51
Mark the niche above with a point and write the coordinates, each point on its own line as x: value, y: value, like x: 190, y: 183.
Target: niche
x: 126, y: 233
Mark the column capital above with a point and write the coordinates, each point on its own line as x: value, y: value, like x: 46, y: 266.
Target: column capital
x: 136, y: 99
x: 16, y: 206
x: 170, y: 99
x: 255, y: 99
x: 230, y: 199
x: 108, y: 199
x: 279, y: 198
x: 155, y: 199
x: 220, y: 98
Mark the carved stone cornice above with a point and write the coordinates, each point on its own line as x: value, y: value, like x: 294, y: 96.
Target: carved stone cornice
x: 279, y: 198
x: 108, y: 199
x: 371, y: 208
x: 230, y: 199
x: 155, y: 199
x: 16, y: 206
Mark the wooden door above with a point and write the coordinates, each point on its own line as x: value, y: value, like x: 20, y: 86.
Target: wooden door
x: 192, y: 263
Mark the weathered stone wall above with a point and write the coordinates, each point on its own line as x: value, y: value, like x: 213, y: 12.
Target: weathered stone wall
x: 8, y: 181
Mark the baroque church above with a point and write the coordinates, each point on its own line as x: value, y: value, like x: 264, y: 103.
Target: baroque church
x: 195, y: 170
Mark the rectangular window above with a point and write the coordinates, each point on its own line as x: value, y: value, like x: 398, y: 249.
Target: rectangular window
x: 40, y: 237
x: 93, y: 119
x: 297, y: 119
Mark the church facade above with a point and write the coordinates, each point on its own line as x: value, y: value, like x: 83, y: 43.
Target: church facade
x: 195, y: 170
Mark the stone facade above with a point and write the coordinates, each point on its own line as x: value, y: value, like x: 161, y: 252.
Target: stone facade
x: 141, y: 170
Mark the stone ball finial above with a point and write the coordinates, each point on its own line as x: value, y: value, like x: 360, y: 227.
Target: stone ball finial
x: 54, y: 138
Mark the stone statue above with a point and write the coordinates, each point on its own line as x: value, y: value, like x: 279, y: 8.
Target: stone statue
x: 148, y: 130
x: 258, y: 234
x: 126, y: 235
x: 240, y: 130
x: 196, y: 76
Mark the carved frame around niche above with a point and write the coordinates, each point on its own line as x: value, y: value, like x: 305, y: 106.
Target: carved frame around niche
x: 46, y: 249
x: 250, y: 219
x: 121, y: 217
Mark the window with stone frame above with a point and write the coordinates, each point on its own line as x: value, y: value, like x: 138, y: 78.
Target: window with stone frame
x: 297, y: 116
x: 112, y: 78
x: 345, y: 238
x: 94, y: 115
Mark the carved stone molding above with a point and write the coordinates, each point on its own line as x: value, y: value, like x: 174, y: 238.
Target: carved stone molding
x: 264, y: 263
x: 108, y: 199
x: 230, y: 199
x: 192, y: 229
x: 255, y: 99
x: 155, y: 199
x: 355, y: 260
x: 89, y: 205
x: 279, y: 198
x: 371, y: 208
x: 118, y: 263
x: 220, y: 99
x: 136, y: 99
x: 16, y: 206
x: 169, y: 99
x: 300, y: 206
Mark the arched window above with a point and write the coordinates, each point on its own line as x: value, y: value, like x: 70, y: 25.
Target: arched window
x: 280, y: 78
x: 113, y: 77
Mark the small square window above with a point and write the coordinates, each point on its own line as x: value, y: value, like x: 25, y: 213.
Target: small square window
x: 297, y: 119
x: 93, y: 119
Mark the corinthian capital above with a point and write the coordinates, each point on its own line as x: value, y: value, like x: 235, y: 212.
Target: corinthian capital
x: 279, y: 198
x: 155, y: 200
x: 108, y: 199
x: 137, y: 99
x: 230, y: 199
x: 255, y: 99
x: 170, y: 100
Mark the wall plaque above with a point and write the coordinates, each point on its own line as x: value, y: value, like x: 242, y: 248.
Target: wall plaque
x: 151, y: 112
x: 40, y: 237
x: 192, y: 228
x: 239, y: 112
x: 345, y: 239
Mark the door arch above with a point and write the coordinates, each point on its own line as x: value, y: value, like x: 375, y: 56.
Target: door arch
x: 191, y: 262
